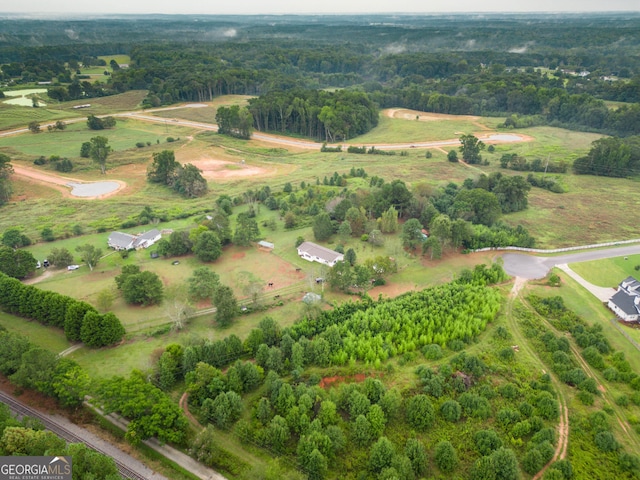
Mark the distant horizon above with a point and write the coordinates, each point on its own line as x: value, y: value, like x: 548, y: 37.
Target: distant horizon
x: 75, y: 8
x: 77, y: 14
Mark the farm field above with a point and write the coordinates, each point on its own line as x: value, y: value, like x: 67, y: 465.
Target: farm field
x: 554, y: 219
x: 233, y: 167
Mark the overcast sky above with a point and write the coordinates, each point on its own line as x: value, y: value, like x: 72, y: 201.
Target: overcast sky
x: 248, y: 7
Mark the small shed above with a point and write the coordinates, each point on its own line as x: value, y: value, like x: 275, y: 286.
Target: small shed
x: 263, y: 245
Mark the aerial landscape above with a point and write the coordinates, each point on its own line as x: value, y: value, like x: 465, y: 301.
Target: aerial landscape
x: 290, y: 245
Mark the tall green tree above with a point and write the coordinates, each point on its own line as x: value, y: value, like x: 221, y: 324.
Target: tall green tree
x: 89, y: 254
x: 512, y: 193
x: 144, y: 288
x: 389, y: 221
x: 163, y: 168
x: 226, y: 305
x: 322, y: 227
x: 6, y: 170
x: 411, y: 234
x: 60, y: 257
x: 207, y: 247
x: 99, y: 152
x: 16, y: 263
x: 247, y: 230
x: 203, y: 283
x: 13, y: 238
x: 470, y: 148
x: 189, y: 181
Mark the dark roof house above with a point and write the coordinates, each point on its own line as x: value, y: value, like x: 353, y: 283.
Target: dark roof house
x: 626, y: 301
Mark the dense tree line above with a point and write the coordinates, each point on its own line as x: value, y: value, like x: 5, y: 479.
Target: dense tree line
x: 436, y: 71
x: 611, y: 157
x: 80, y: 321
x: 329, y: 116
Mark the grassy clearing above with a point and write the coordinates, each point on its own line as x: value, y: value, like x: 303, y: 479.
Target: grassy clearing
x: 118, y: 58
x: 52, y: 339
x: 14, y: 116
x: 608, y: 272
x: 67, y: 143
x: 394, y: 130
x: 590, y: 211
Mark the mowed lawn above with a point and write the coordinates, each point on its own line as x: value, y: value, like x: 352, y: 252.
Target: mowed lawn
x: 608, y: 272
x: 398, y: 130
x: 68, y: 142
x: 52, y: 339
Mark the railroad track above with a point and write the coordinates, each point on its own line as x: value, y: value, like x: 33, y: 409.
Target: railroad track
x: 23, y: 410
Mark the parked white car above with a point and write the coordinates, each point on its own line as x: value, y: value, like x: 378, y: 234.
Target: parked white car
x: 73, y: 267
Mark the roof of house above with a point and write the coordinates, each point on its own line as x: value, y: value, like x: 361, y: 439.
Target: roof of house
x: 631, y: 285
x: 126, y: 240
x: 122, y: 240
x: 319, y: 251
x: 625, y: 302
x: 150, y: 235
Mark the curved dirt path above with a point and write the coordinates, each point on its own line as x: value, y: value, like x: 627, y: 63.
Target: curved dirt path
x: 563, y: 425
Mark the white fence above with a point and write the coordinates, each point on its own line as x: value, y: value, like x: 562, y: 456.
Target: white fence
x: 559, y: 250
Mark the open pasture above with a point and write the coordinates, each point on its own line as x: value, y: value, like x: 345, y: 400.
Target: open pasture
x: 592, y: 210
x: 16, y: 116
x: 401, y: 126
x: 67, y: 143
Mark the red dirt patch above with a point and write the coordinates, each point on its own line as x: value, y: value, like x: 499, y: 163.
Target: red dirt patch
x: 327, y: 382
x: 238, y: 255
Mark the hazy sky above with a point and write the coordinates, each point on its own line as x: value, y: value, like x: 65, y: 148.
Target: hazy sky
x: 302, y: 6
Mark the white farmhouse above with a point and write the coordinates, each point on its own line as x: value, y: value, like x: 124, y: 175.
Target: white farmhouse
x: 625, y: 303
x: 126, y: 241
x: 316, y: 253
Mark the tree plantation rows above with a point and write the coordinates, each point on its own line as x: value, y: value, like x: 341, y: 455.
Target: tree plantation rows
x: 592, y: 432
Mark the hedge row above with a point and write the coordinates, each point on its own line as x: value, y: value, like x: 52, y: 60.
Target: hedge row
x: 80, y: 321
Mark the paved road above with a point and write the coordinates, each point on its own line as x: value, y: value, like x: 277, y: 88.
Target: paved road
x: 532, y: 267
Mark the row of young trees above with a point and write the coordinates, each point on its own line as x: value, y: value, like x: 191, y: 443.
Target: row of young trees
x: 80, y: 321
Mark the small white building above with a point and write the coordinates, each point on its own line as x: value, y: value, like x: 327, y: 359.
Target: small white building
x: 126, y: 241
x: 317, y: 253
x: 625, y: 303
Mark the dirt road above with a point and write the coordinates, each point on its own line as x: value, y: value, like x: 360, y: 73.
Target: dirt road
x: 72, y: 187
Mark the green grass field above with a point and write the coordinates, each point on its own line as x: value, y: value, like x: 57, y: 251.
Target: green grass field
x: 608, y: 272
x: 67, y: 143
x: 394, y: 130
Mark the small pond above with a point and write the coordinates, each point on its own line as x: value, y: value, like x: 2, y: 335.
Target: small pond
x: 93, y: 189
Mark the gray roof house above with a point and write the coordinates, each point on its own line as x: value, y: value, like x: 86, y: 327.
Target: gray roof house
x: 625, y: 303
x: 126, y: 241
x: 316, y: 253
